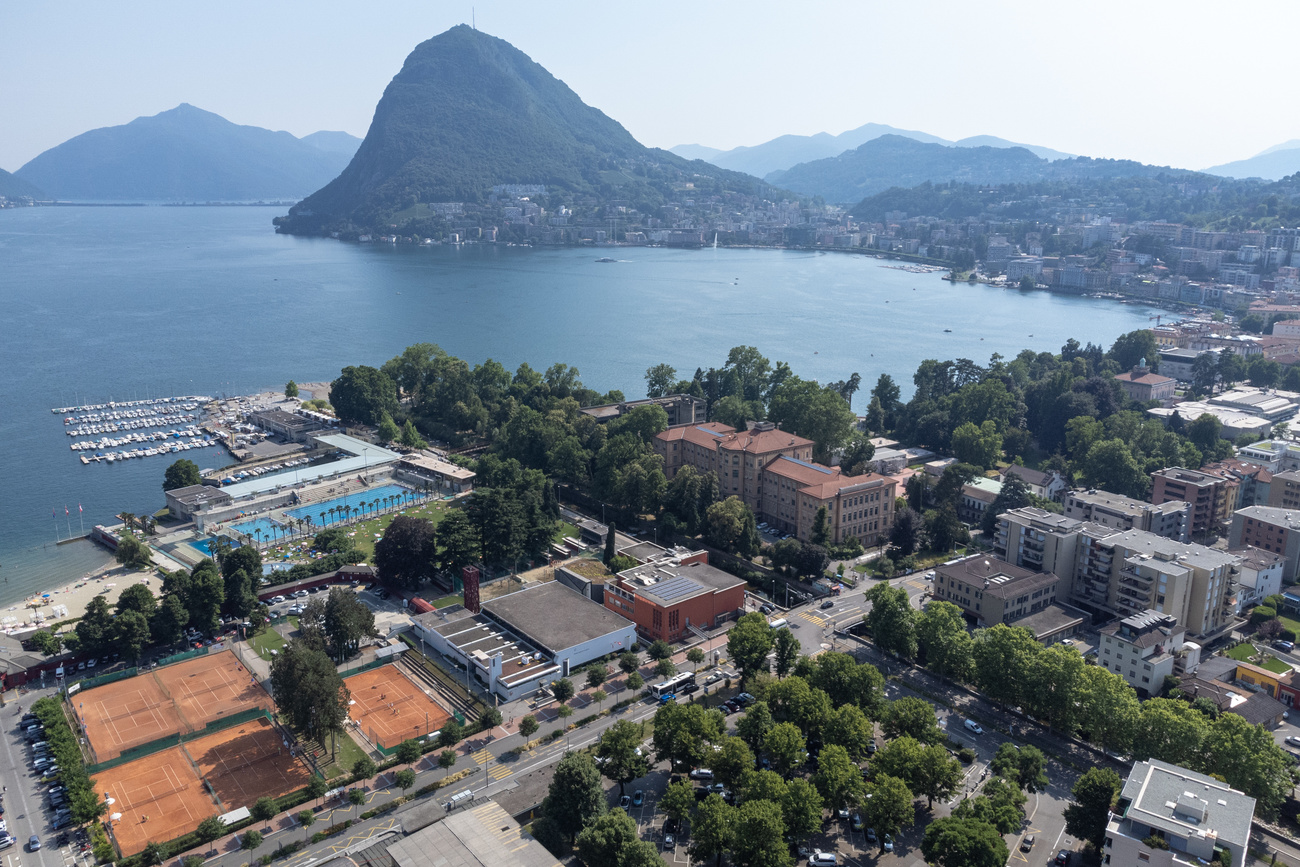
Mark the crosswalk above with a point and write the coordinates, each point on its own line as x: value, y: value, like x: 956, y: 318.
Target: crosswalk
x: 497, y: 772
x: 500, y: 772
x: 812, y: 618
x: 482, y: 756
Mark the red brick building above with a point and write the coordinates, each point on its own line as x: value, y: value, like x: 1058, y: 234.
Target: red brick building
x: 737, y: 458
x: 859, y: 506
x: 667, y: 598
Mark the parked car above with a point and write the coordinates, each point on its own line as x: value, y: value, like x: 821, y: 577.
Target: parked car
x: 624, y: 802
x: 745, y: 699
x: 1062, y: 857
x: 7, y: 840
x: 638, y: 798
x: 299, y: 594
x: 701, y: 774
x: 889, y: 843
x: 871, y: 835
x: 766, y: 609
x: 872, y: 747
x: 670, y: 825
x: 688, y: 688
x: 1287, y: 646
x: 823, y: 859
x: 276, y: 600
x: 670, y: 842
x: 856, y: 824
x: 1027, y: 843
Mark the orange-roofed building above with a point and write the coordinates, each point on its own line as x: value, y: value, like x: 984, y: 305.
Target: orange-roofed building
x: 737, y: 458
x: 860, y: 506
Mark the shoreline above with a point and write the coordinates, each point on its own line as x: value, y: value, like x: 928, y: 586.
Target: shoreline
x: 108, y: 581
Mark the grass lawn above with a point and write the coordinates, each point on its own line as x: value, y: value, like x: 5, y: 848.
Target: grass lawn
x: 566, y: 531
x: 347, y: 753
x: 448, y: 600
x: 1246, y: 653
x: 266, y: 641
x: 1290, y: 623
x: 364, y: 531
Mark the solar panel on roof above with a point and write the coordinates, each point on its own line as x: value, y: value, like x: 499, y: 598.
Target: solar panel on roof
x: 711, y: 433
x: 676, y: 588
x: 825, y: 470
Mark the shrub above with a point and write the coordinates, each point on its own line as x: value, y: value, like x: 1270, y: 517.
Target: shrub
x: 966, y: 755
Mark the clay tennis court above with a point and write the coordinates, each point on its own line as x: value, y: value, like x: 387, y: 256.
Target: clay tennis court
x: 389, y: 706
x: 158, y: 796
x: 177, y: 698
x: 247, y: 762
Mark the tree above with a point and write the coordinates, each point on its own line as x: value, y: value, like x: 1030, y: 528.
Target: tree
x: 659, y: 649
x: 754, y: 724
x: 252, y: 839
x: 388, y: 430
x: 821, y: 533
x: 678, y: 800
x: 575, y: 797
x: 347, y: 621
x: 886, y: 394
x: 748, y: 644
x: 952, y: 842
x: 363, y: 394
x: 95, y: 630
x: 760, y: 836
x: 489, y: 718
x: 659, y: 380
x: 408, y: 553
x: 601, y: 843
x: 1026, y: 766
x: 730, y: 525
x: 1015, y: 494
x: 459, y: 542
x: 1205, y: 432
x: 849, y: 727
x: 262, y: 810
x: 131, y: 634
x: 619, y: 754
x: 291, y: 389
x: 732, y: 762
x: 1094, y: 795
x: 847, y: 681
x: 1170, y: 730
x: 152, y: 854
x: 1248, y: 759
x: 665, y: 668
x: 562, y: 689
x: 888, y: 807
x: 47, y: 642
x: 528, y: 727
x: 1110, y: 465
x: 411, y: 437
x: 927, y: 770
x: 911, y: 717
x: 713, y: 830
x: 943, y: 641
x: 357, y: 796
x: 857, y: 456
x: 308, y: 691
x: 133, y: 553
x: 787, y: 651
x: 695, y: 656
x: 683, y: 733
x: 209, y: 829
x: 404, y: 779
x: 1131, y: 348
x: 892, y: 620
x: 183, y: 473
x: 451, y: 733
x: 138, y: 598
x: 1003, y: 656
x: 688, y: 497
x: 306, y: 818
x: 596, y: 675
x: 635, y: 681
x: 447, y: 759
x: 801, y: 809
x: 813, y: 411
x: 978, y: 445
x: 408, y: 751
x: 628, y: 662
x: 785, y: 746
x: 905, y: 533
x: 316, y: 787
x: 838, y: 779
x: 169, y: 620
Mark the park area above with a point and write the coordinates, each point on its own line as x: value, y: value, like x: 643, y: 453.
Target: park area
x: 1247, y: 652
x: 167, y: 701
x: 389, y: 708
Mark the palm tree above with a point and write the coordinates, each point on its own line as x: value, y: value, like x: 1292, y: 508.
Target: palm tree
x: 258, y: 531
x: 333, y: 512
x: 128, y: 519
x: 323, y: 522
x: 375, y: 504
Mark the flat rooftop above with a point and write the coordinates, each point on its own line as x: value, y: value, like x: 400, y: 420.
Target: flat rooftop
x: 1182, y: 802
x: 1053, y: 620
x: 364, y: 456
x: 482, y: 836
x: 668, y: 584
x: 555, y: 617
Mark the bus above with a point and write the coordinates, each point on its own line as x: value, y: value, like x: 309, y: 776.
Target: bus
x: 672, y: 684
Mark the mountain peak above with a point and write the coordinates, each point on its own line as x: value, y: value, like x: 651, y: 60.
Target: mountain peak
x: 466, y: 112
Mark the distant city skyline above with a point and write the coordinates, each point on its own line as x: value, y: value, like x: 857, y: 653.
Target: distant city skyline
x: 1148, y: 82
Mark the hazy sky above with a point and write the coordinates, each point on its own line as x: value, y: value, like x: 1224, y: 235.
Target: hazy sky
x: 1189, y: 84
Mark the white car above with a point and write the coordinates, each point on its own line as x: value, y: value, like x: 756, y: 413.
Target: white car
x: 823, y: 859
x: 973, y: 726
x: 276, y: 600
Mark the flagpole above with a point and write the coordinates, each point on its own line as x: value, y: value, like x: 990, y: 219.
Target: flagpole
x: 81, y: 518
x: 54, y: 513
x: 68, y: 514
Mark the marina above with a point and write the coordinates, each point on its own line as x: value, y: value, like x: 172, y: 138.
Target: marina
x: 141, y: 428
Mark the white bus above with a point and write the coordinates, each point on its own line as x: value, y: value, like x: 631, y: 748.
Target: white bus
x: 672, y: 684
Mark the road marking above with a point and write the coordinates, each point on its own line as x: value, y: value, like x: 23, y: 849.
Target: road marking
x: 482, y: 756
x: 500, y: 772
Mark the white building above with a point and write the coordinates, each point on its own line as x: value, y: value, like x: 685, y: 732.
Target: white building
x: 1145, y: 648
x: 1196, y: 816
x: 1261, y: 575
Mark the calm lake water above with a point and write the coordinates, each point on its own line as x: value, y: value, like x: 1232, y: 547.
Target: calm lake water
x: 124, y: 303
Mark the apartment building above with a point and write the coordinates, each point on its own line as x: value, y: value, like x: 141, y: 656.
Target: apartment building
x: 992, y: 591
x: 1036, y: 539
x: 1274, y: 455
x: 859, y: 506
x: 1135, y: 571
x: 1125, y: 513
x: 736, y: 457
x: 1048, y: 485
x: 1272, y: 529
x: 1145, y: 648
x: 1284, y: 491
x: 1254, y: 482
x: 1195, y: 817
x: 1261, y: 575
x: 1212, y: 498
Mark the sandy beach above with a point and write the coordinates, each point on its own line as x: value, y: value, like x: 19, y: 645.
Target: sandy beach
x: 108, y: 582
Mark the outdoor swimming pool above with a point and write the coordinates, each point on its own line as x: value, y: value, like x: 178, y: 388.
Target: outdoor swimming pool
x: 270, y: 529
x: 204, y: 546
x: 352, y: 501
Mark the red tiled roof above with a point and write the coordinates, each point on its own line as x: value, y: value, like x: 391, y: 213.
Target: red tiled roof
x: 695, y: 433
x: 763, y: 441
x: 1144, y: 379
x: 816, y: 480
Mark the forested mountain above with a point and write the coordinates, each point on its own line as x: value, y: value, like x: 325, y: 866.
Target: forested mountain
x: 469, y: 111
x: 185, y: 154
x: 333, y: 141
x: 895, y: 161
x: 12, y: 187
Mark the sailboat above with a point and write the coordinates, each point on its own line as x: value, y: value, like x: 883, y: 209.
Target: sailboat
x: 715, y: 240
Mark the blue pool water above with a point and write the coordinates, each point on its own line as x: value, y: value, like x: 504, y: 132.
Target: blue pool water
x: 266, y: 525
x: 355, y: 499
x: 204, y: 546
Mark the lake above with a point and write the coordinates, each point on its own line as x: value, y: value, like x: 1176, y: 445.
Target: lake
x: 121, y: 303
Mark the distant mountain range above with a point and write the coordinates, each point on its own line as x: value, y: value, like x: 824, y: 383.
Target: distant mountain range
x: 787, y: 151
x: 13, y: 187
x: 187, y: 154
x: 467, y: 112
x: 1272, y: 164
x: 896, y: 161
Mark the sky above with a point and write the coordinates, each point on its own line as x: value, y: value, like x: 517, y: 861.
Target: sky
x: 1188, y: 84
